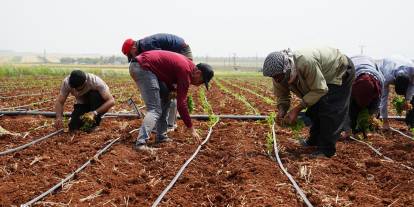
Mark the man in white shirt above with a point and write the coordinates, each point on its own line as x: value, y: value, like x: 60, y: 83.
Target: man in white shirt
x: 92, y: 96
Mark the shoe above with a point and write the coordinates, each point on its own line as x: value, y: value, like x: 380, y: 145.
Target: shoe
x: 158, y: 141
x: 172, y: 128
x: 142, y: 147
x: 320, y: 154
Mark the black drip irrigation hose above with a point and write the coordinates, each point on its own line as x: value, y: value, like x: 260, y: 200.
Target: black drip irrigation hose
x: 133, y: 115
x: 279, y: 161
x: 30, y: 143
x: 301, y: 116
x: 381, y: 155
x: 400, y: 132
x: 174, y: 180
x: 72, y: 175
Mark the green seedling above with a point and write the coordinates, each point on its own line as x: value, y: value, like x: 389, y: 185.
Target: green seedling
x: 65, y: 124
x: 89, y: 122
x: 212, y: 119
x: 269, y: 143
x: 190, y: 104
x: 297, y: 128
x: 398, y: 103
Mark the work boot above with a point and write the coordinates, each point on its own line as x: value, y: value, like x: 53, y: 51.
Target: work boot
x: 172, y: 128
x: 162, y: 139
x: 142, y: 147
x: 320, y: 154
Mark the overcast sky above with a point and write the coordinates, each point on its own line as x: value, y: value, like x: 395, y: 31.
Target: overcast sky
x: 210, y: 27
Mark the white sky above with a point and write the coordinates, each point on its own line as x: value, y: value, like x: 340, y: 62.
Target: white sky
x: 211, y: 27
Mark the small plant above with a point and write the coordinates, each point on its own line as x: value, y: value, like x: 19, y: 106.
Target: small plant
x: 269, y: 143
x: 375, y: 123
x: 362, y: 122
x: 88, y: 122
x: 366, y: 122
x: 206, y: 106
x: 65, y: 124
x: 212, y: 119
x: 190, y: 104
x: 398, y: 103
x: 297, y: 128
x: 271, y: 119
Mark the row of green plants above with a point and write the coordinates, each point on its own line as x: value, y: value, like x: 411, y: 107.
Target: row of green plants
x: 237, y: 96
x: 264, y: 98
x: 212, y: 118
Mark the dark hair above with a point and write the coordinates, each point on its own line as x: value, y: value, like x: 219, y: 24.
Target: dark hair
x: 77, y: 78
x: 401, y: 84
x: 207, y: 72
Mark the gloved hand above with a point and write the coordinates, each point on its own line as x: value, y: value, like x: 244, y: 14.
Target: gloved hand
x: 88, y: 117
x: 407, y: 106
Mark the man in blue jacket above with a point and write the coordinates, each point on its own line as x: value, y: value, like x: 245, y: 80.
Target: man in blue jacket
x: 161, y: 41
x: 401, y: 75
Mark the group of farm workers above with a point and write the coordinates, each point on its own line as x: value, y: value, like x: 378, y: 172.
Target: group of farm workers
x: 161, y: 66
x: 333, y: 89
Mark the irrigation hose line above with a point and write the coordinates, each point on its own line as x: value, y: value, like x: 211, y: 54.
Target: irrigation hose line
x: 133, y: 115
x: 400, y: 132
x: 30, y: 143
x: 381, y: 155
x: 295, y: 185
x: 174, y: 180
x: 69, y: 177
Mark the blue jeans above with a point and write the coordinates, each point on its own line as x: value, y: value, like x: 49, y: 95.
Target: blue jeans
x: 172, y: 113
x: 156, y: 102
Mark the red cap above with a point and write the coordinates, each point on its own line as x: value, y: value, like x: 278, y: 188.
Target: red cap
x: 126, y: 47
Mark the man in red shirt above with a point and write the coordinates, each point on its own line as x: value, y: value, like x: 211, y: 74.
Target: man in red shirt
x: 157, y: 67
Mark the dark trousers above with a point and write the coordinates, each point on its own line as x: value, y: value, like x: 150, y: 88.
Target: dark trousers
x: 409, y: 117
x: 329, y: 114
x: 93, y: 100
x: 351, y: 120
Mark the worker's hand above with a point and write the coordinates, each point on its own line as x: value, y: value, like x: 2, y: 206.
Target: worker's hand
x: 58, y: 123
x: 88, y: 117
x: 195, y: 134
x: 291, y: 117
x: 280, y: 115
x: 407, y: 106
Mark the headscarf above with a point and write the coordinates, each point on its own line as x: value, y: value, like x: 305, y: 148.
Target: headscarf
x: 278, y: 62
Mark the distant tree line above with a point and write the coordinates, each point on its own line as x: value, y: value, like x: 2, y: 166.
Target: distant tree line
x: 112, y: 60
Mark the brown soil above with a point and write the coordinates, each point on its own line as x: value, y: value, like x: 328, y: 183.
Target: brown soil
x: 232, y: 169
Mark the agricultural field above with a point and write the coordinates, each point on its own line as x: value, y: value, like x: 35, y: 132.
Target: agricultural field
x: 236, y: 165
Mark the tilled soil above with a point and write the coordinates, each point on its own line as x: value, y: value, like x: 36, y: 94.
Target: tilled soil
x: 232, y: 169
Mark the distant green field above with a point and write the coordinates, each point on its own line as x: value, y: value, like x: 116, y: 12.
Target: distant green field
x: 59, y: 70
x: 101, y: 70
